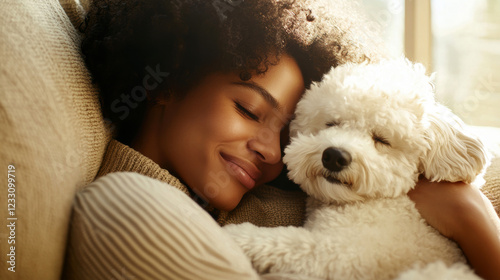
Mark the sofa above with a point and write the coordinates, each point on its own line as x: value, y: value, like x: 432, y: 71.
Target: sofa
x: 53, y: 136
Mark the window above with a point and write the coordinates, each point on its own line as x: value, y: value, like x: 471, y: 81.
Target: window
x: 387, y: 18
x: 457, y: 39
x: 466, y: 57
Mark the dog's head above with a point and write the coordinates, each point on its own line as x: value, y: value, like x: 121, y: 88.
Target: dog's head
x: 369, y: 130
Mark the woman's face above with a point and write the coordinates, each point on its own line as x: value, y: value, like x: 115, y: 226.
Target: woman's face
x: 223, y: 138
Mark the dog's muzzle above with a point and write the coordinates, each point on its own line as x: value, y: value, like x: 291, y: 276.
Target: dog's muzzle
x: 335, y: 159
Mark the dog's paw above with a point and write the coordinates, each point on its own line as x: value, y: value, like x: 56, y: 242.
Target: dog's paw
x: 238, y: 229
x: 267, y: 248
x: 241, y: 233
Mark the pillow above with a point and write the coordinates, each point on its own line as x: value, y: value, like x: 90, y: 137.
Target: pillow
x: 52, y: 133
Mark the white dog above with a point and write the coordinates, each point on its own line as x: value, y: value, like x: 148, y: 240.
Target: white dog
x: 360, y: 139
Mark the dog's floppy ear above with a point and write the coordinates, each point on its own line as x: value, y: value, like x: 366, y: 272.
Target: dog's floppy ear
x: 455, y: 153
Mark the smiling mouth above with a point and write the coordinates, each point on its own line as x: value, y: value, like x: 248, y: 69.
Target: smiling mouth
x: 245, y: 173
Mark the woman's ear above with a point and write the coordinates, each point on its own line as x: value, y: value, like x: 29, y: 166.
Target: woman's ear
x: 455, y: 153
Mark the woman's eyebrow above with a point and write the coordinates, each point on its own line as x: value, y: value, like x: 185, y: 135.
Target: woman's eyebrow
x: 262, y: 92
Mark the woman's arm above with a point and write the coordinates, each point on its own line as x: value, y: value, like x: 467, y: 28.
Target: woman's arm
x: 462, y: 213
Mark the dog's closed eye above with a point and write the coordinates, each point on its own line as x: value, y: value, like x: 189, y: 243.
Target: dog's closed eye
x: 331, y: 124
x: 379, y: 139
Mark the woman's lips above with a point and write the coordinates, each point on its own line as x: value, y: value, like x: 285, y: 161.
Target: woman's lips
x: 246, y: 173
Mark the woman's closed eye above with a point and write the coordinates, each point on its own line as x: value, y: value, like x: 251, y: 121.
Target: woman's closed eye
x: 245, y: 112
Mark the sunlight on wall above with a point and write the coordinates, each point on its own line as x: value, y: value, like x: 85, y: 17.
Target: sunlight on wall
x: 388, y: 17
x: 466, y: 57
x: 465, y: 52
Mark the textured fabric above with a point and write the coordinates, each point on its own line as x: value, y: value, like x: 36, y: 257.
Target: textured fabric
x: 75, y: 10
x: 491, y: 139
x: 491, y: 188
x: 120, y: 157
x: 129, y: 226
x: 268, y: 206
x: 263, y: 206
x: 51, y: 130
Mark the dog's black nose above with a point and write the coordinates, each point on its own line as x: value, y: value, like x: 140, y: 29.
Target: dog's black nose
x: 335, y: 159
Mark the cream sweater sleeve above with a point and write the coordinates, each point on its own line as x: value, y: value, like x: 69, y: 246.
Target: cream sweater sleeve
x: 129, y: 226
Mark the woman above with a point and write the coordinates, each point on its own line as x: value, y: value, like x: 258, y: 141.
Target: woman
x: 205, y: 89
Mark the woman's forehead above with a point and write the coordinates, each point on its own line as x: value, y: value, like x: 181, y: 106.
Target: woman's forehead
x: 284, y: 82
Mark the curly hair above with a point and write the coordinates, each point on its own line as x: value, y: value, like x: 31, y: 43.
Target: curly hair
x: 184, y: 40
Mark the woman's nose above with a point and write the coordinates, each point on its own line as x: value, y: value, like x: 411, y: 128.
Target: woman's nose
x: 266, y: 144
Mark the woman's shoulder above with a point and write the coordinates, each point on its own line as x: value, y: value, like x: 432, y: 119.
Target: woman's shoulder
x: 119, y: 157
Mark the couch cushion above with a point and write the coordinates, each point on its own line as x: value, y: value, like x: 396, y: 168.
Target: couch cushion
x: 491, y: 139
x: 492, y: 186
x: 51, y: 131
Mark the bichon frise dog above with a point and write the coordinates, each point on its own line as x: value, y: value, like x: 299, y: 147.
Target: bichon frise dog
x: 360, y: 139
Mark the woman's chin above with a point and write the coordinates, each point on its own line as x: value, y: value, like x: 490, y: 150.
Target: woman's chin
x: 227, y: 201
